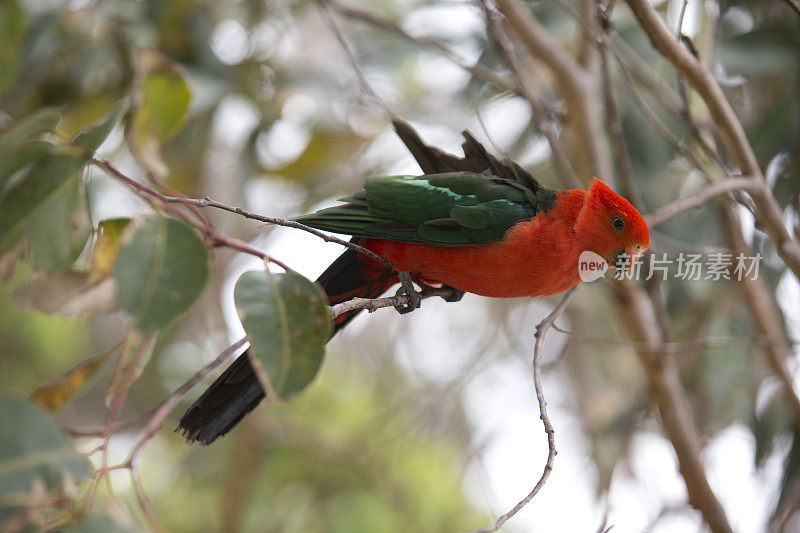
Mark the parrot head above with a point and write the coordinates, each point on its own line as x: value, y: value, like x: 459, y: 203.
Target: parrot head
x: 611, y: 226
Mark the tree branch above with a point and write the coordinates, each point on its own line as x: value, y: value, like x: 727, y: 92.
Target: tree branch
x: 160, y: 202
x: 765, y: 315
x: 768, y: 210
x: 477, y: 70
x: 584, y: 116
x: 541, y: 331
x: 668, y: 394
x: 208, y: 202
x: 698, y: 198
x: 498, y: 32
x: 373, y: 304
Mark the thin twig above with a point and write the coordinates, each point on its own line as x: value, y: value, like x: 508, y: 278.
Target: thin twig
x: 541, y: 332
x: 618, y: 134
x: 678, y: 347
x: 372, y: 304
x: 477, y: 70
x: 643, y: 71
x: 794, y: 5
x: 697, y: 74
x: 576, y: 85
x: 158, y: 200
x: 166, y: 406
x: 366, y: 88
x: 698, y: 198
x: 651, y: 116
x: 499, y: 32
x: 208, y: 202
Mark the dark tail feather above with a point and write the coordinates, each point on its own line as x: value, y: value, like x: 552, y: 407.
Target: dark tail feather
x: 237, y: 391
x: 234, y: 394
x: 354, y: 275
x: 476, y: 159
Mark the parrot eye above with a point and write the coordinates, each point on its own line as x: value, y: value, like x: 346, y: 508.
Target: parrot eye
x: 618, y: 223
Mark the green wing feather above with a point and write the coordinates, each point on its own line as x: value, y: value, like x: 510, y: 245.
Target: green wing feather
x: 448, y: 209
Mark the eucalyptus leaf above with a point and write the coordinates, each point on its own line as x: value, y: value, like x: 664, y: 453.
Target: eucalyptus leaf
x: 27, y: 127
x: 23, y: 156
x: 59, y: 234
x: 12, y: 28
x: 286, y: 315
x: 33, y: 455
x: 92, y: 138
x: 29, y: 197
x: 54, y: 394
x: 161, y: 269
x: 106, y: 247
x: 162, y: 110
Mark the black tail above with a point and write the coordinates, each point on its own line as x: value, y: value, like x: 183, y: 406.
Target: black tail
x: 237, y: 391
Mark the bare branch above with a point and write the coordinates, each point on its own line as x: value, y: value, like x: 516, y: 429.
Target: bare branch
x: 698, y: 198
x: 668, y: 394
x: 208, y: 202
x: 160, y: 201
x: 765, y: 315
x: 366, y: 88
x: 794, y: 4
x: 498, y: 31
x: 697, y: 74
x: 165, y: 407
x: 477, y: 70
x: 584, y: 115
x: 541, y: 331
x: 650, y: 115
x: 644, y: 74
x: 615, y: 126
x: 372, y: 304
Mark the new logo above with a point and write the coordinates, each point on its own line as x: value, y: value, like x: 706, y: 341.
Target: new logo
x: 591, y: 266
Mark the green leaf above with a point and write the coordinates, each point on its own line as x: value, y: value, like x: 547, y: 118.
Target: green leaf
x: 92, y: 138
x: 161, y: 269
x: 163, y: 106
x: 286, y: 316
x: 23, y: 156
x: 12, y: 28
x: 28, y: 198
x: 27, y: 127
x: 166, y: 97
x: 18, y: 144
x: 59, y: 234
x: 34, y: 454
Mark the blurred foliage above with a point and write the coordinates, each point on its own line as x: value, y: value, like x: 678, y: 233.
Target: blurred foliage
x: 253, y: 104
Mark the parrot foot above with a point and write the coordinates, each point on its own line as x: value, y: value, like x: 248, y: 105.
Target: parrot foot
x: 455, y: 296
x: 407, y: 289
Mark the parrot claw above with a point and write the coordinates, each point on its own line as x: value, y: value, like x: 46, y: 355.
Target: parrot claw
x: 407, y: 289
x: 456, y: 295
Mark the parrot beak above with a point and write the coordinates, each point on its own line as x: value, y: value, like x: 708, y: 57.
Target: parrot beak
x: 626, y: 258
x: 634, y: 252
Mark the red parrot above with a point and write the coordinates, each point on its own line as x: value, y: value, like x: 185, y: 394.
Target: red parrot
x: 474, y: 223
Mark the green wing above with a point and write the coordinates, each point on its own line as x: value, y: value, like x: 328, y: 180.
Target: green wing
x: 448, y: 209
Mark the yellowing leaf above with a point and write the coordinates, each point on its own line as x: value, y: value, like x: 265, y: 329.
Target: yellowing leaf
x: 107, y: 246
x: 53, y: 395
